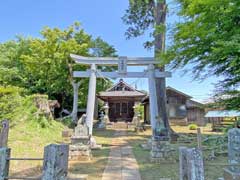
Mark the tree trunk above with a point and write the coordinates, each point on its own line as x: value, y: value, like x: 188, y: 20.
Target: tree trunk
x: 160, y: 19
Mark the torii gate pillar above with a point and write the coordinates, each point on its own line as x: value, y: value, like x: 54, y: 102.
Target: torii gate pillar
x: 152, y: 95
x: 91, y: 98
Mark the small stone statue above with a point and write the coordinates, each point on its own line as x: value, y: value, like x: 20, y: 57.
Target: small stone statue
x: 81, y: 129
x: 82, y: 120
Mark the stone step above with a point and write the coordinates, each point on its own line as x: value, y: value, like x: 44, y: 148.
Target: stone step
x: 77, y: 177
x: 120, y: 125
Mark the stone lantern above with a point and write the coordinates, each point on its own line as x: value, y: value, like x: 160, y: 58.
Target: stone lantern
x: 106, y: 111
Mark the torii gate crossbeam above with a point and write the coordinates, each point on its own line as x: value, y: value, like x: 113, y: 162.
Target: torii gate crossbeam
x: 122, y: 63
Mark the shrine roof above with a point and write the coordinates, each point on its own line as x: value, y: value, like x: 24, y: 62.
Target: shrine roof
x: 122, y: 89
x: 121, y: 94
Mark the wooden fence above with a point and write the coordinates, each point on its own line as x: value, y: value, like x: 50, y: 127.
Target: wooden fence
x: 55, y: 160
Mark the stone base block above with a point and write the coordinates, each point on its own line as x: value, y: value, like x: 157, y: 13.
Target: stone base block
x: 101, y: 125
x: 229, y: 175
x: 77, y: 177
x: 81, y: 139
x: 161, y: 151
x: 79, y: 152
x: 162, y: 160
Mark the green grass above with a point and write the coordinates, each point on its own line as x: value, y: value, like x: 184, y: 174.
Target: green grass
x: 152, y: 171
x: 27, y: 139
x: 30, y: 130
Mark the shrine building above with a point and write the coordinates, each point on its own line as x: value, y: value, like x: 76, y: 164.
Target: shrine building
x: 121, y: 98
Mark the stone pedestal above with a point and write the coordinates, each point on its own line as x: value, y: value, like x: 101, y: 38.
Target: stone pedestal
x: 80, y: 148
x: 80, y: 142
x: 229, y: 175
x: 79, y: 152
x: 161, y: 151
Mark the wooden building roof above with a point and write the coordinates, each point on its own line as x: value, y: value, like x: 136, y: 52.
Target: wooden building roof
x: 121, y: 89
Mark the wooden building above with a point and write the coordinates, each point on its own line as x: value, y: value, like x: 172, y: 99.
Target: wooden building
x: 121, y: 98
x: 181, y: 109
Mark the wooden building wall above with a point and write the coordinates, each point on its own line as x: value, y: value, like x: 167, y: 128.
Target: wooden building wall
x: 196, y: 115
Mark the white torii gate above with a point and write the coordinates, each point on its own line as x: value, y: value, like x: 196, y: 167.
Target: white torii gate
x: 122, y: 62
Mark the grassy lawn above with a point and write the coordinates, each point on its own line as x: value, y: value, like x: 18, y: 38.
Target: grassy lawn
x: 27, y: 139
x: 151, y: 171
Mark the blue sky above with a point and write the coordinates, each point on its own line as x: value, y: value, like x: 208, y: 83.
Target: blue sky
x: 99, y: 18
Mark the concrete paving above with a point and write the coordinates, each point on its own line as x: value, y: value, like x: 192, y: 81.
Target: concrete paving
x: 122, y: 164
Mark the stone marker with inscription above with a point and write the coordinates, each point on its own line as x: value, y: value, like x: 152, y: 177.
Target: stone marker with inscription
x: 191, y: 164
x: 233, y: 171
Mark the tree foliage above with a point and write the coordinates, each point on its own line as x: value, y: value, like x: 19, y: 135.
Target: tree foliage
x: 208, y: 38
x: 140, y: 19
x: 43, y: 65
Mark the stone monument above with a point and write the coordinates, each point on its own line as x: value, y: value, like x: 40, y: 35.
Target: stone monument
x: 191, y: 164
x: 233, y: 171
x: 80, y: 141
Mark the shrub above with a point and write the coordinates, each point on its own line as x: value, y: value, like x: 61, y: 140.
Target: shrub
x: 193, y: 127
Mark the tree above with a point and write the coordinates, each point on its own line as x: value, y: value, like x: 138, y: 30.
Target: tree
x: 43, y: 65
x: 144, y: 16
x: 208, y: 38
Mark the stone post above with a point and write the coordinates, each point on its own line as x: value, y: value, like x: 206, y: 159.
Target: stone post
x: 4, y: 133
x: 190, y: 164
x: 91, y: 98
x: 4, y: 162
x: 55, y: 165
x: 233, y: 171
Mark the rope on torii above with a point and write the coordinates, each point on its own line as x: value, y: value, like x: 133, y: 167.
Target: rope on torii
x: 122, y: 63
